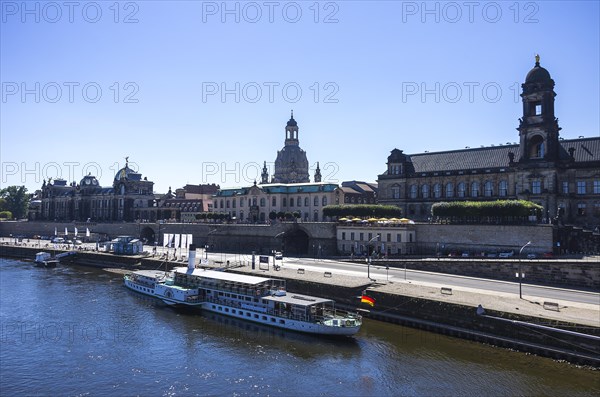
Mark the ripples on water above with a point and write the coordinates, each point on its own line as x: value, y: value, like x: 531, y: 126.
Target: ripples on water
x: 77, y: 331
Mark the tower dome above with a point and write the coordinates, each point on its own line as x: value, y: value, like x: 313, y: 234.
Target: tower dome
x: 538, y: 74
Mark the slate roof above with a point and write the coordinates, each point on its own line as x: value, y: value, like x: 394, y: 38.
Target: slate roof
x: 586, y: 150
x: 281, y: 188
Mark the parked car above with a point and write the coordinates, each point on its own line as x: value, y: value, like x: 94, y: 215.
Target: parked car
x: 57, y: 240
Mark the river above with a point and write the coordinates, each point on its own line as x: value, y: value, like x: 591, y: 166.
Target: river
x: 77, y: 331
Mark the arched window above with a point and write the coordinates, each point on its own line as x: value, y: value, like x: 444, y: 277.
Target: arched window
x: 306, y: 201
x: 262, y: 202
x: 475, y: 189
x: 284, y: 202
x: 316, y: 201
x: 274, y: 202
x: 503, y: 189
x: 316, y: 216
x: 425, y: 191
x: 536, y: 147
x: 461, y: 189
x: 488, y: 189
x: 437, y: 190
x: 227, y: 203
x: 413, y: 191
x: 324, y: 201
x: 299, y: 201
x: 291, y: 201
x: 449, y: 189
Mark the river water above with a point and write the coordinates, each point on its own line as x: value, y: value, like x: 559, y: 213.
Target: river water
x: 78, y: 331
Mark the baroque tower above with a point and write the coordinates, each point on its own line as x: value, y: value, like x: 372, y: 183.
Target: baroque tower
x: 538, y: 128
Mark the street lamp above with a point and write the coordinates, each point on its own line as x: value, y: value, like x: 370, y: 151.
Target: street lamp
x: 520, y: 275
x: 369, y: 256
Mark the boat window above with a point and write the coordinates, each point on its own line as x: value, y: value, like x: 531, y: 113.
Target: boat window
x: 248, y: 315
x: 272, y: 319
x: 281, y: 321
x: 256, y: 316
x: 264, y: 318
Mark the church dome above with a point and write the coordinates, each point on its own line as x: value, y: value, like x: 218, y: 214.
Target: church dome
x: 538, y: 74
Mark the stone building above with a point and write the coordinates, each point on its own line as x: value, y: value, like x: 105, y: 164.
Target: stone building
x: 130, y: 198
x: 255, y: 203
x: 357, y: 192
x: 561, y: 175
x: 360, y: 238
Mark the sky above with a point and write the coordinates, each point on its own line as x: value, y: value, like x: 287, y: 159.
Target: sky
x: 199, y: 92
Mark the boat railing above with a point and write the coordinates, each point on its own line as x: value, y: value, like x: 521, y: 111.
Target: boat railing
x: 267, y: 311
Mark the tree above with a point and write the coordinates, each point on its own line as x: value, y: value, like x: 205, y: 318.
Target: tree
x: 16, y: 200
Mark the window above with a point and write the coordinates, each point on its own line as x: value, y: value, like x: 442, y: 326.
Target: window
x: 316, y: 201
x: 425, y: 191
x: 413, y: 191
x: 597, y: 186
x: 437, y: 190
x: 538, y: 109
x: 581, y: 209
x: 395, y: 192
x: 565, y: 187
x: 221, y: 204
x: 324, y: 201
x: 399, y: 238
x: 299, y: 201
x: 488, y: 189
x: 306, y: 201
x: 343, y: 235
x: 475, y: 189
x: 503, y: 189
x: 362, y: 235
x: 284, y: 202
x: 389, y: 237
x: 461, y: 189
x: 352, y: 236
x: 262, y: 202
x: 274, y: 202
x: 234, y: 203
x: 580, y: 187
x: 241, y: 201
x: 597, y: 209
x: 449, y: 189
x: 291, y: 202
x: 536, y: 187
x: 227, y: 203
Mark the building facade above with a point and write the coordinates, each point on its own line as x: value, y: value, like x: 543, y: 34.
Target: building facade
x: 255, y: 204
x: 561, y: 175
x: 130, y: 198
x: 360, y: 239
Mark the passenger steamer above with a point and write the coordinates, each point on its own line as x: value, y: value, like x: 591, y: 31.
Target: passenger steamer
x: 258, y: 299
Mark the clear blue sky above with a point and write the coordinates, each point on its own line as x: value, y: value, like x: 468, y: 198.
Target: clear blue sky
x: 373, y: 76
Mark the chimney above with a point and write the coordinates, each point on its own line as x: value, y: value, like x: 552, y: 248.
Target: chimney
x: 192, y: 258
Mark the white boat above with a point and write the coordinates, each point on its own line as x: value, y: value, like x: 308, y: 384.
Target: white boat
x: 258, y: 299
x: 44, y: 259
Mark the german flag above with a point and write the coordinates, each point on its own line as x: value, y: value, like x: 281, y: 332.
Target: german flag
x: 368, y: 300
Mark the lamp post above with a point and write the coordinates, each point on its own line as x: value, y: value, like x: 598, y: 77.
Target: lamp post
x: 520, y: 275
x: 369, y: 256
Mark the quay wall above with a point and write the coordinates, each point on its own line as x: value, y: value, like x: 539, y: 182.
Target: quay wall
x: 565, y: 273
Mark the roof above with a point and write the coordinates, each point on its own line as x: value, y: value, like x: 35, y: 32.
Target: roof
x: 297, y: 299
x: 233, y: 277
x: 289, y: 188
x: 586, y: 150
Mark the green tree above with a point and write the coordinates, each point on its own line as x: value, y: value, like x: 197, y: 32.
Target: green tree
x: 16, y: 200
